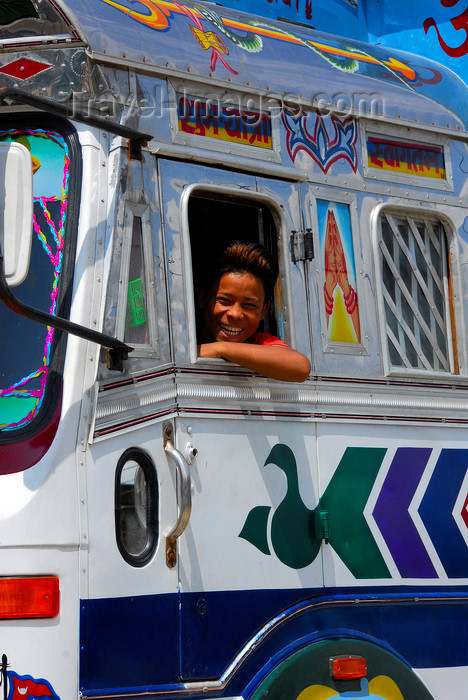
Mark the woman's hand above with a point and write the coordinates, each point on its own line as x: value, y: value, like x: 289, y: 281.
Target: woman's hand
x: 209, y: 350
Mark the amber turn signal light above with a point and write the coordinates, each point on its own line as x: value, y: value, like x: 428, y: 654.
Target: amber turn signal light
x: 347, y: 668
x: 29, y: 597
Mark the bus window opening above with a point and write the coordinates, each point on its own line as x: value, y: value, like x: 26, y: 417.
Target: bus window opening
x: 214, y: 224
x: 234, y: 296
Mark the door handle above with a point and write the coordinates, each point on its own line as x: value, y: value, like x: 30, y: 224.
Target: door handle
x: 185, y: 488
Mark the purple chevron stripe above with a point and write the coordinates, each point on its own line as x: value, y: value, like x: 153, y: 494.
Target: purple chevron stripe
x: 392, y: 516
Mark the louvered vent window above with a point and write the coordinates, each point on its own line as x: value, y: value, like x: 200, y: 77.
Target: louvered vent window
x: 416, y: 293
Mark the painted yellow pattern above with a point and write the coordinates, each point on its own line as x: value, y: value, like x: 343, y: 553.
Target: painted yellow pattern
x: 410, y: 169
x: 209, y: 39
x: 317, y: 692
x: 386, y: 688
x: 380, y: 688
x: 157, y: 19
x: 341, y: 329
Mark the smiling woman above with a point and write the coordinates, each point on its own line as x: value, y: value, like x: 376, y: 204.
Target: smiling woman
x: 233, y: 308
x: 233, y: 302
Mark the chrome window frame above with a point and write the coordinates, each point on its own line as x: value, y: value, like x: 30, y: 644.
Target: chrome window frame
x: 239, y: 194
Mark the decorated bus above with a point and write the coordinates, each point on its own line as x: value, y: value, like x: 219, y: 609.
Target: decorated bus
x: 179, y: 526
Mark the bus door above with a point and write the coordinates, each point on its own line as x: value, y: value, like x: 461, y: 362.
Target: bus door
x: 248, y: 441
x: 129, y: 608
x: 129, y: 621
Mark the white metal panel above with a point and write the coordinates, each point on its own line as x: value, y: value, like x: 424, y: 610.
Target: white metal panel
x: 232, y: 474
x: 109, y: 574
x: 439, y: 680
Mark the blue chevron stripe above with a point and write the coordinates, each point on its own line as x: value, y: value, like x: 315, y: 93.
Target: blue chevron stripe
x: 436, y: 511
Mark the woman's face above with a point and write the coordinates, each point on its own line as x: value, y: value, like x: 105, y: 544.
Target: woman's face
x: 234, y: 307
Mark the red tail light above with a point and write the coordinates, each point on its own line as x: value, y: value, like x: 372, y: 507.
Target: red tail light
x: 348, y: 667
x: 29, y: 597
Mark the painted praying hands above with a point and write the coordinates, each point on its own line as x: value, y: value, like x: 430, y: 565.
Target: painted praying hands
x: 336, y: 275
x: 460, y: 22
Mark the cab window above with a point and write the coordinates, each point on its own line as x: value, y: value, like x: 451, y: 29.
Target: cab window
x: 32, y: 353
x: 215, y: 222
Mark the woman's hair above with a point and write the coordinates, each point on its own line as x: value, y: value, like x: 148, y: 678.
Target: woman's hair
x: 252, y: 258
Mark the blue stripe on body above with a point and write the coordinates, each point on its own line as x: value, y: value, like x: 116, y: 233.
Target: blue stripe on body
x: 127, y: 642
x: 133, y: 642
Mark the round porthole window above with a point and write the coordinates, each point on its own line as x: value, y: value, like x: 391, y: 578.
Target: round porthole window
x: 136, y: 507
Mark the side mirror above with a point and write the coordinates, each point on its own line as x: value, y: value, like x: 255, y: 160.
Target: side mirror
x: 16, y: 210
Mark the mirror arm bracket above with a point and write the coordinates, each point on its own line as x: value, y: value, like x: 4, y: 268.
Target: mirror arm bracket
x: 117, y: 351
x: 136, y: 138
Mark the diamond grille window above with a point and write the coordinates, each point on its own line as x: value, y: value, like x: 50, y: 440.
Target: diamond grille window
x: 416, y: 293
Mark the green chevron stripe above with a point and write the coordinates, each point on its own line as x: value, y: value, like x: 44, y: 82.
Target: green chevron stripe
x: 344, y: 500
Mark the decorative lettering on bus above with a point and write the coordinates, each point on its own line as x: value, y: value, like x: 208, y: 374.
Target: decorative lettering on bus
x: 225, y: 122
x: 416, y: 159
